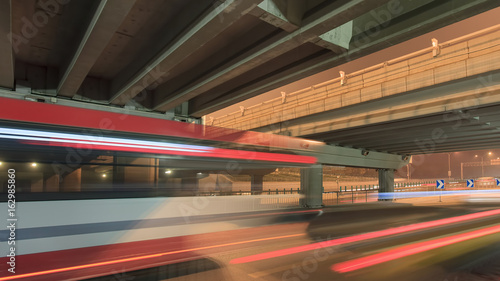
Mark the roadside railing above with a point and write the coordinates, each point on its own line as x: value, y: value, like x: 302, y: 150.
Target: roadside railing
x: 349, y: 197
x: 369, y: 193
x: 348, y: 194
x: 250, y: 192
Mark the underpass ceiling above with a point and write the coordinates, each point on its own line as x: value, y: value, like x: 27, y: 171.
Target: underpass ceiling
x: 147, y: 19
x: 156, y: 54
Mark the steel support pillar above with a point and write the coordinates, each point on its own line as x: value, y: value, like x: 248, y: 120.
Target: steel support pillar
x: 386, y: 183
x: 311, y: 184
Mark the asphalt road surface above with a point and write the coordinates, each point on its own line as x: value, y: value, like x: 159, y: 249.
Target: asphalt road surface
x: 391, y: 241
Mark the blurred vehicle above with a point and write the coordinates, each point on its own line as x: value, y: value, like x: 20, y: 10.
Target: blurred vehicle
x: 98, y: 191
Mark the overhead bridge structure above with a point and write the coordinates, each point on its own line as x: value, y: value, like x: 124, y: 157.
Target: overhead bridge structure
x: 441, y: 99
x: 191, y: 58
x: 184, y: 59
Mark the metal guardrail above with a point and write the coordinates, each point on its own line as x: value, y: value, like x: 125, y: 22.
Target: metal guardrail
x: 285, y: 198
x: 357, y: 187
x: 261, y: 200
x: 348, y: 197
x: 250, y: 192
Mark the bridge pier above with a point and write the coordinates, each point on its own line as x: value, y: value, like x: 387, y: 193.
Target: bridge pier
x: 257, y: 183
x: 190, y: 183
x: 311, y: 184
x: 386, y: 183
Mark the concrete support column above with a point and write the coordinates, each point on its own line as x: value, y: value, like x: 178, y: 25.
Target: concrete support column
x: 118, y: 172
x: 257, y: 183
x: 386, y: 183
x: 52, y: 183
x: 73, y: 181
x: 311, y: 184
x: 189, y: 184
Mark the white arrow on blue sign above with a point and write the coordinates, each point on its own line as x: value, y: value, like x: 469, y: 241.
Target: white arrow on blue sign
x: 498, y: 182
x: 470, y: 183
x: 440, y: 184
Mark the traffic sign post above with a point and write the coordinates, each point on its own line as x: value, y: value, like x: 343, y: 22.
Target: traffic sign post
x: 440, y: 186
x: 470, y: 183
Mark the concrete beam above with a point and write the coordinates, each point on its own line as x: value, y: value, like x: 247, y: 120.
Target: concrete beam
x: 462, y: 147
x: 411, y: 131
x: 344, y: 156
x: 463, y: 120
x: 440, y: 99
x: 202, y: 105
x: 337, y: 39
x: 328, y: 18
x: 425, y: 137
x: 284, y: 14
x: 206, y: 28
x: 429, y: 145
x: 382, y: 16
x: 271, y: 12
x: 6, y: 51
x: 380, y: 129
x: 287, y: 15
x: 107, y: 18
x: 402, y: 27
x: 295, y: 10
x: 466, y: 147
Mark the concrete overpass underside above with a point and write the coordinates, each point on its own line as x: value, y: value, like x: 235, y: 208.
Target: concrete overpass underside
x: 459, y: 116
x: 473, y: 128
x: 191, y: 58
x: 441, y: 99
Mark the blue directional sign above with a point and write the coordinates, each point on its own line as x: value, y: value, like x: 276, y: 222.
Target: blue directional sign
x: 498, y: 182
x: 470, y: 183
x: 440, y: 184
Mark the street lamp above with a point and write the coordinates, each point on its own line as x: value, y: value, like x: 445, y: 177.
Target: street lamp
x: 482, y: 162
x: 449, y: 166
x: 482, y: 165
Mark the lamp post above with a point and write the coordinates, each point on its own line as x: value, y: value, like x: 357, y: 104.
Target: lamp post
x: 449, y: 166
x: 482, y: 166
x: 482, y: 162
x: 408, y: 170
